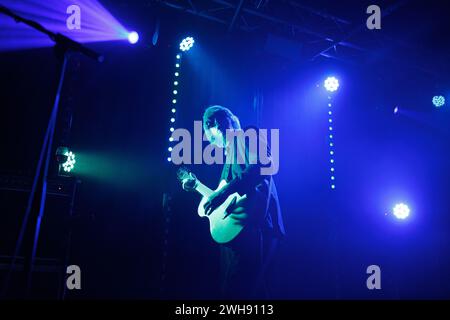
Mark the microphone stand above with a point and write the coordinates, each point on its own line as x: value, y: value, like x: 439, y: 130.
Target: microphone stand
x: 63, y: 46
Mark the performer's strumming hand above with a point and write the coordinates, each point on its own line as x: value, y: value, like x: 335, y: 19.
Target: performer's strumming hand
x: 214, y: 201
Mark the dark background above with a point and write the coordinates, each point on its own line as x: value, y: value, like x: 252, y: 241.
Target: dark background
x: 119, y: 132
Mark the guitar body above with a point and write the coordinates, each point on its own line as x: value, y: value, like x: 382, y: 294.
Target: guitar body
x: 224, y: 224
x: 228, y: 219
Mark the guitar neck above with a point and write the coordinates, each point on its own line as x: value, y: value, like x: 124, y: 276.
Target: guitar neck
x: 203, y: 190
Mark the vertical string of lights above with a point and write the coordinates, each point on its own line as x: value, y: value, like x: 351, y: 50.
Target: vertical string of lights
x: 185, y: 45
x: 331, y: 84
x: 173, y: 109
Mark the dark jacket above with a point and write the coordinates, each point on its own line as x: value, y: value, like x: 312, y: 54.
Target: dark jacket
x: 246, y: 178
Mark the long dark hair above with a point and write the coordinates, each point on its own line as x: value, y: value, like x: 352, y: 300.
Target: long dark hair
x: 220, y: 116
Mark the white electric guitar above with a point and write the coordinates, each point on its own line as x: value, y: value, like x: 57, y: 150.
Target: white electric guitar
x: 228, y: 219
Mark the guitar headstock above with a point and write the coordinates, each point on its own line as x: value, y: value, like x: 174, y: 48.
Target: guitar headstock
x: 188, y: 179
x: 183, y: 173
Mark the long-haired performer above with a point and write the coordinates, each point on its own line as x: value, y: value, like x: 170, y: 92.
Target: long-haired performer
x: 245, y: 260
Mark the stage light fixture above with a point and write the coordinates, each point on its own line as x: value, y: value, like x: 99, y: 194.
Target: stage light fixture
x: 133, y: 37
x: 70, y: 163
x: 401, y: 211
x: 66, y: 160
x: 187, y: 44
x: 62, y: 17
x: 331, y: 84
x: 439, y: 101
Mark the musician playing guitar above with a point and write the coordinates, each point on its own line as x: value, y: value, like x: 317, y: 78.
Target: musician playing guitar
x: 246, y: 258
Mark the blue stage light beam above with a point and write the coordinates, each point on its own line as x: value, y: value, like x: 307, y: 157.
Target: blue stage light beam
x: 84, y: 21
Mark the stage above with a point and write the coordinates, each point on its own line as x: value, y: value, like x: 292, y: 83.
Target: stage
x: 345, y: 106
